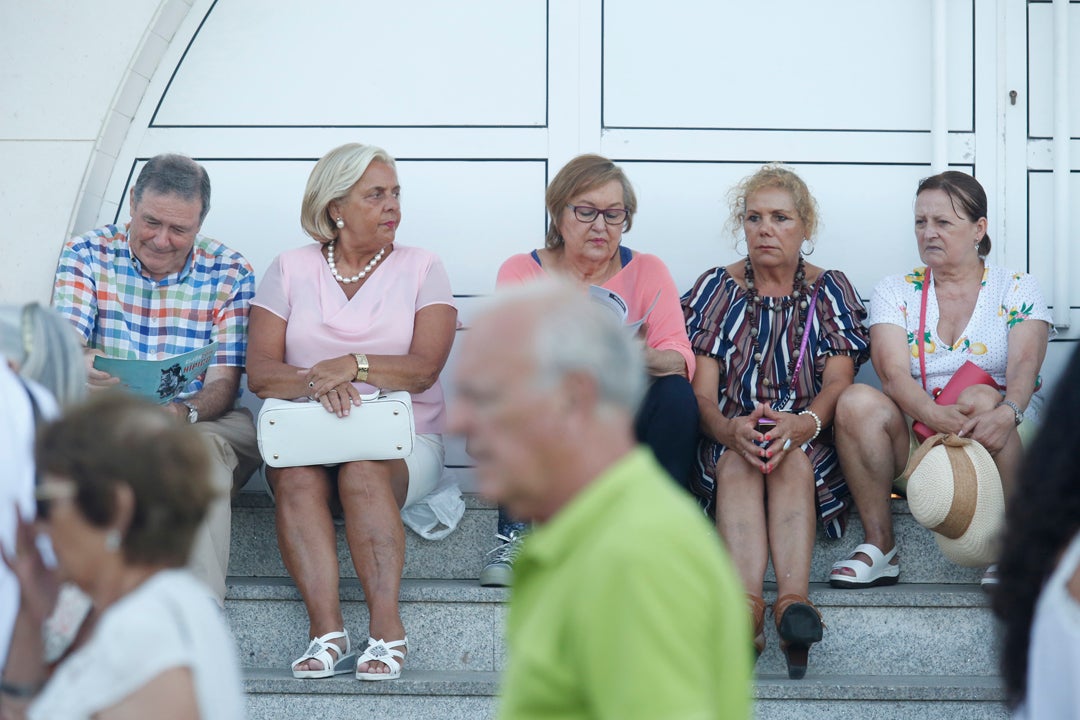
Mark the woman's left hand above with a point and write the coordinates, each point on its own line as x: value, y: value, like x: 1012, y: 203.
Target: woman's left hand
x: 991, y: 429
x: 330, y: 382
x: 790, y: 433
x: 38, y: 585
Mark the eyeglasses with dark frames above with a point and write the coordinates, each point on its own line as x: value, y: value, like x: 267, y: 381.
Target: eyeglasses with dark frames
x: 587, y: 214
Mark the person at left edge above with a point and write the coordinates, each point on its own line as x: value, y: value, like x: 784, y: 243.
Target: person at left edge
x: 156, y: 287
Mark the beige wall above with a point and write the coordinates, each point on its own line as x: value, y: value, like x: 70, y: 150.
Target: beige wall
x: 72, y: 75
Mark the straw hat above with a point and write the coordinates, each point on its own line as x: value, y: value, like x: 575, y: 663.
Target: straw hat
x: 954, y: 489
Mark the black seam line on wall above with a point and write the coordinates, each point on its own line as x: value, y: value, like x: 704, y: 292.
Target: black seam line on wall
x: 168, y: 85
x: 1042, y: 137
x: 648, y: 127
x: 127, y: 184
x: 794, y: 130
x: 209, y: 158
x: 603, y: 64
x: 1027, y: 67
x: 547, y: 91
x: 786, y: 162
x: 347, y: 127
x: 974, y: 66
x: 547, y: 63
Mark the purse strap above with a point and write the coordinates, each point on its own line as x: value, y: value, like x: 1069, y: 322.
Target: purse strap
x: 802, y: 347
x: 921, y: 338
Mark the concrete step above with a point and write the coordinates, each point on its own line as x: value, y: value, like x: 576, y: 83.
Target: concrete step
x: 417, y: 694
x: 454, y: 625
x: 893, y: 697
x: 435, y: 695
x: 461, y: 556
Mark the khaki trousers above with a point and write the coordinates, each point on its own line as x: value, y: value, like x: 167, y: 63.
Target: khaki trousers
x: 234, y: 456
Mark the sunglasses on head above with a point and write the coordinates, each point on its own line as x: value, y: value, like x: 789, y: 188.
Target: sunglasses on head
x: 45, y: 493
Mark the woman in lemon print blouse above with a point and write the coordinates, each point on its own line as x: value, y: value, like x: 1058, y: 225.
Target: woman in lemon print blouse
x: 974, y: 311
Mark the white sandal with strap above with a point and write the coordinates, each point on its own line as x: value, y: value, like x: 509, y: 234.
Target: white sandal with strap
x: 880, y: 572
x: 384, y: 652
x: 319, y: 650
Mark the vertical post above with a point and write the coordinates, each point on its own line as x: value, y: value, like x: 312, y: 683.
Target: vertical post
x: 1061, y: 164
x: 939, y: 120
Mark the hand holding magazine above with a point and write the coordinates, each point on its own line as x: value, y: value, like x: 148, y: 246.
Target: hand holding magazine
x: 159, y: 380
x: 614, y: 302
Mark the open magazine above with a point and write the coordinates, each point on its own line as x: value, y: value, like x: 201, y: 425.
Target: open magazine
x: 159, y: 380
x: 614, y: 302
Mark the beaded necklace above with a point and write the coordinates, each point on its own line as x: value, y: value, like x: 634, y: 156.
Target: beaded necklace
x: 358, y: 276
x: 799, y: 292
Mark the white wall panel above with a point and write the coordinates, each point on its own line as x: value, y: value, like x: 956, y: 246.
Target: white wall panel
x: 1040, y: 231
x: 409, y: 62
x: 847, y: 64
x: 1041, y: 70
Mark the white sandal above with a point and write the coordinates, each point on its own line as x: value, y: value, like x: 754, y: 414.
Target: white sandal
x: 879, y: 573
x: 319, y: 650
x: 384, y: 652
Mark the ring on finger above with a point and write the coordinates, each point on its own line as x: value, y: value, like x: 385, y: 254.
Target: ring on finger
x: 787, y: 444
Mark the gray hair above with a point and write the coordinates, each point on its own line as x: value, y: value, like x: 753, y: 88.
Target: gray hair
x: 574, y: 334
x: 46, y: 349
x: 172, y: 174
x: 331, y: 179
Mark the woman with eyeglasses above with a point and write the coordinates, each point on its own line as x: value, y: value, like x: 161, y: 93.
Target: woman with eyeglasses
x: 591, y: 203
x: 123, y: 490
x: 777, y: 340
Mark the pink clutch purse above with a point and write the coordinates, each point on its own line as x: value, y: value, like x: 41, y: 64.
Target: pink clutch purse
x: 966, y: 375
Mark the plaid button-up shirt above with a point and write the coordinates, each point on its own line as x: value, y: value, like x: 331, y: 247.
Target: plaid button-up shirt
x: 101, y: 288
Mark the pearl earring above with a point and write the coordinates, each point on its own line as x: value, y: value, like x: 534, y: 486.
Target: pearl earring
x: 340, y: 223
x: 112, y: 540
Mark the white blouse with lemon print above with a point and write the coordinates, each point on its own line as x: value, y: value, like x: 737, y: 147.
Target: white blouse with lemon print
x: 1005, y: 299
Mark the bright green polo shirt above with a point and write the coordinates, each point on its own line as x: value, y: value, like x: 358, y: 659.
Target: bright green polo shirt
x: 625, y: 606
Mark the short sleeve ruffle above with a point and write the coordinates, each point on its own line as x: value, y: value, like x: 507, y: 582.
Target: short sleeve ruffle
x: 843, y: 321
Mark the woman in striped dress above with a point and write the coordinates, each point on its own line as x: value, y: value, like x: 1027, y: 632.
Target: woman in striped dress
x: 777, y: 340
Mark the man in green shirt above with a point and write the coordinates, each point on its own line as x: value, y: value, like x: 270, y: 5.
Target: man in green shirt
x: 624, y: 603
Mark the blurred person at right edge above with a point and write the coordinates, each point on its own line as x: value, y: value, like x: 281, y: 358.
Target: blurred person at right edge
x: 1038, y: 599
x: 625, y: 604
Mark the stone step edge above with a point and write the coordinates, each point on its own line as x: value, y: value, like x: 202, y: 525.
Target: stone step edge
x: 473, y: 501
x: 468, y: 591
x: 899, y: 688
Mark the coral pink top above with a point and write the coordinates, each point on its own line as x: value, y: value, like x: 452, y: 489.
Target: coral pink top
x: 322, y: 323
x: 641, y: 277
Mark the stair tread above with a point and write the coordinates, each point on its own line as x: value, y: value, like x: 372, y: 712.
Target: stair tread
x: 467, y: 590
x: 767, y: 686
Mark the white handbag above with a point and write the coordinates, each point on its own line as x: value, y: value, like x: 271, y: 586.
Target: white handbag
x: 293, y: 433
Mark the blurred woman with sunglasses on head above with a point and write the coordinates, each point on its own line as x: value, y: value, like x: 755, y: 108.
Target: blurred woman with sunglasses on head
x: 123, y: 489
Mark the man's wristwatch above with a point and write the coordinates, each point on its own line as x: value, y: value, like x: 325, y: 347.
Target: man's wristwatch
x: 192, y: 411
x: 1018, y: 414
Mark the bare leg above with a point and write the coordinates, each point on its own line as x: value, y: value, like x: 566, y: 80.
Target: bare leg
x: 305, y: 533
x: 872, y: 440
x: 792, y: 523
x: 371, y: 496
x: 740, y: 518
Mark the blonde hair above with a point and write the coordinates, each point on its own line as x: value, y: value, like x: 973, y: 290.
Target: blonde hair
x: 331, y: 179
x: 582, y: 174
x: 773, y: 175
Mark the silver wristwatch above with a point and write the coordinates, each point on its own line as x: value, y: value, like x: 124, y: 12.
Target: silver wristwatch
x: 192, y: 411
x: 1018, y: 414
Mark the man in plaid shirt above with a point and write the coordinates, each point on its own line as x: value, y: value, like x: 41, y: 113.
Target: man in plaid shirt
x: 155, y: 288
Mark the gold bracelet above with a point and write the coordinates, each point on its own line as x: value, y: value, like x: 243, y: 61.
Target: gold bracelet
x: 361, y: 367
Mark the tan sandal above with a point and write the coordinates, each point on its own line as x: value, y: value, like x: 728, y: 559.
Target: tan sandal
x: 757, y: 617
x: 799, y: 625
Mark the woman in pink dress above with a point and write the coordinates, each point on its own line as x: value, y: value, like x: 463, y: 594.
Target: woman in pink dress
x: 332, y: 321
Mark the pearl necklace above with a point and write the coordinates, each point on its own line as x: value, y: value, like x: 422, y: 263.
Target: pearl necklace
x: 358, y: 276
x: 799, y: 293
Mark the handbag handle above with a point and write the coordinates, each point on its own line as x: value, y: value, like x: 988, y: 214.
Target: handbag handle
x: 921, y: 339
